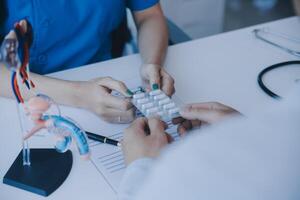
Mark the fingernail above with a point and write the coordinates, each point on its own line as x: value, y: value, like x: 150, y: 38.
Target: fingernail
x: 155, y: 86
x: 129, y: 92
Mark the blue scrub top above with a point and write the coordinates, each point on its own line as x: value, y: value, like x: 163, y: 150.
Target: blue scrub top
x: 69, y: 33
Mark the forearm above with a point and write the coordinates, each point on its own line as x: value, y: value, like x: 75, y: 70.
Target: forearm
x: 153, y: 39
x: 63, y: 92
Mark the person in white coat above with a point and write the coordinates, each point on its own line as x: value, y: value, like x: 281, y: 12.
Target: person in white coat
x: 238, y: 158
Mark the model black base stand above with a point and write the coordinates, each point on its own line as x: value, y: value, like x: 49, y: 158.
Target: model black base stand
x: 48, y: 170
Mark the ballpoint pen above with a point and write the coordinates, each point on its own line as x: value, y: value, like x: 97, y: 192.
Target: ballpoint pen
x: 102, y: 139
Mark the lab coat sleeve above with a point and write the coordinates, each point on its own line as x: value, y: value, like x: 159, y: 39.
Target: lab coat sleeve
x: 134, y: 177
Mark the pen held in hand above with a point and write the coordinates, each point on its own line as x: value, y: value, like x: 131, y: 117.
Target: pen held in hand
x: 102, y: 139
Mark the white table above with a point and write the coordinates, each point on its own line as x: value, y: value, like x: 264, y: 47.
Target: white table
x: 219, y: 68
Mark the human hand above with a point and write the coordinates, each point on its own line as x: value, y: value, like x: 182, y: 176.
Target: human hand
x: 195, y: 115
x: 95, y: 95
x: 144, y: 138
x: 155, y: 77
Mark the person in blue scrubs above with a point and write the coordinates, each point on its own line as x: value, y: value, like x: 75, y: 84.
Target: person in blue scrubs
x: 68, y: 34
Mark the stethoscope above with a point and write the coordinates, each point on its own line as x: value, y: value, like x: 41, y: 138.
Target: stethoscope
x: 258, y: 34
x: 268, y: 69
x: 262, y: 85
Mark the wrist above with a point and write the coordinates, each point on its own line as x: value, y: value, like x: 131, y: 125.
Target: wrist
x: 75, y: 94
x: 61, y: 91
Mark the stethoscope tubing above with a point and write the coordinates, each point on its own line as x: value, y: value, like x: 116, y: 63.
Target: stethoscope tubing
x: 268, y: 69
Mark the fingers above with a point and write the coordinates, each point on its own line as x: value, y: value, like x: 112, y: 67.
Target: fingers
x: 151, y: 74
x: 117, y: 103
x: 207, y: 112
x: 139, y: 125
x: 136, y: 130
x: 202, y: 114
x: 158, y: 78
x: 167, y: 83
x: 117, y: 116
x: 195, y: 115
x: 111, y: 101
x: 154, y: 76
x: 178, y: 120
x: 209, y: 106
x: 156, y: 126
x: 111, y: 108
x: 189, y: 112
x: 188, y: 125
x: 113, y: 84
x: 200, y: 111
x: 137, y: 144
x: 169, y: 138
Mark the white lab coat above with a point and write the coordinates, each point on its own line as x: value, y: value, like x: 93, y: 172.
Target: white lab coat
x: 241, y: 159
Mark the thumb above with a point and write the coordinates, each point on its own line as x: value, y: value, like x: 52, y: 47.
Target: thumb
x: 113, y: 84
